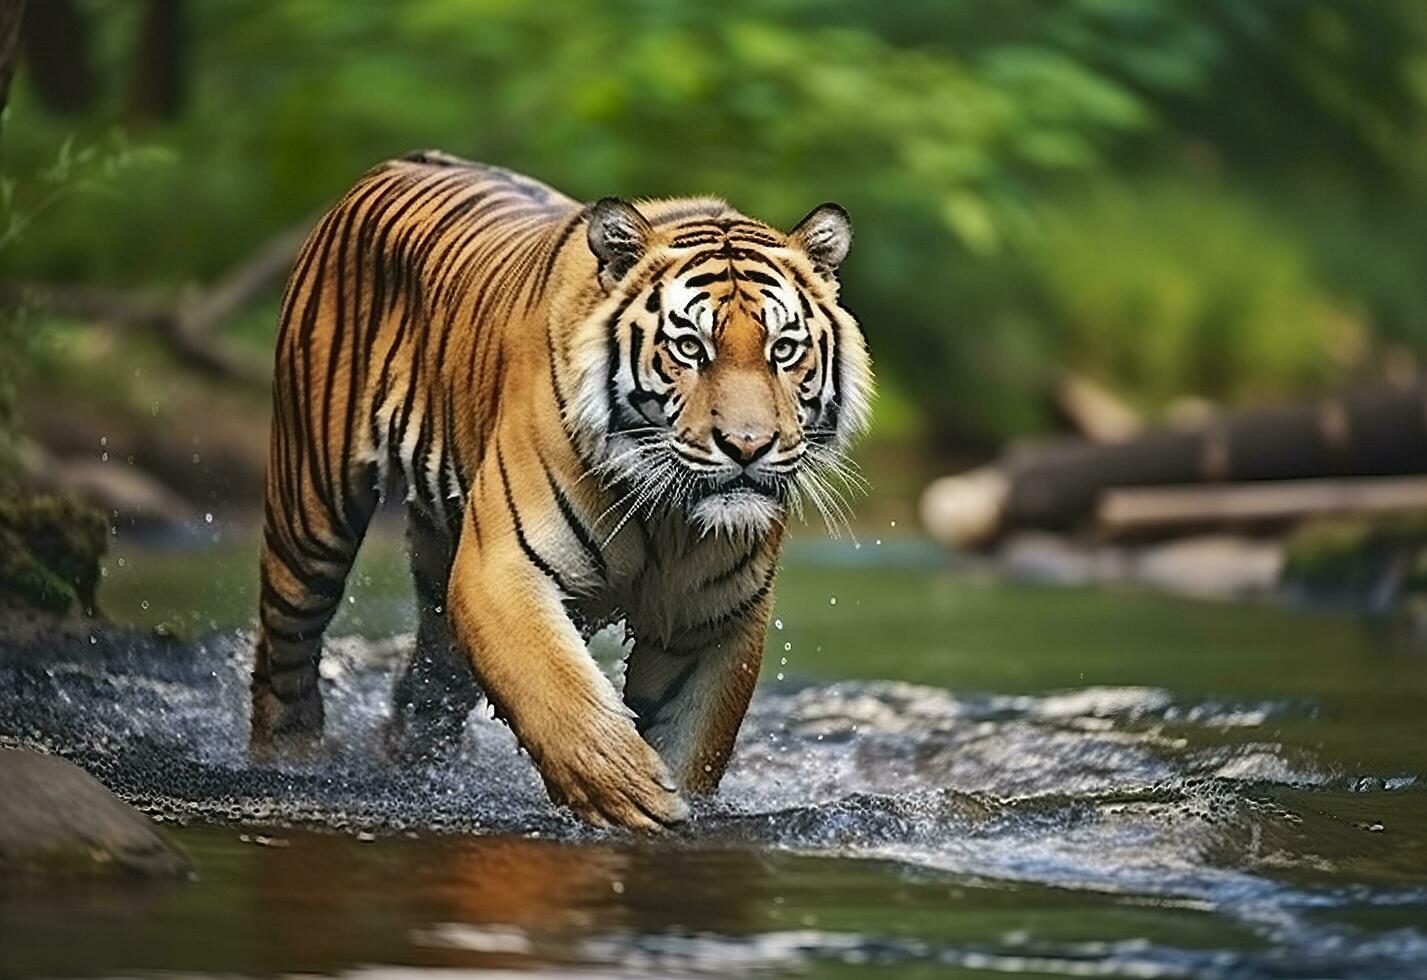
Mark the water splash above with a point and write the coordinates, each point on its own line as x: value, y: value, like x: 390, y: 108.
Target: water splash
x: 1099, y: 789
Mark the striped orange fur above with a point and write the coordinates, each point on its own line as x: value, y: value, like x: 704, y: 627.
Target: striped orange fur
x: 594, y: 414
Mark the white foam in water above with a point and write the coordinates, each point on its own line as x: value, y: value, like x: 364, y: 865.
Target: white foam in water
x: 1094, y: 789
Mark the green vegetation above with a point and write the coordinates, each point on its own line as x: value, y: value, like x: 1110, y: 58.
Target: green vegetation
x: 1188, y: 198
x: 50, y: 549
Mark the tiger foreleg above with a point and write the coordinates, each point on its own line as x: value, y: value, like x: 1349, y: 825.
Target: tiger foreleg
x: 689, y: 697
x: 508, y: 617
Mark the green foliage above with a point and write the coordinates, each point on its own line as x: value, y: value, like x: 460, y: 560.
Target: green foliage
x: 964, y: 136
x: 1164, y: 291
x: 73, y: 171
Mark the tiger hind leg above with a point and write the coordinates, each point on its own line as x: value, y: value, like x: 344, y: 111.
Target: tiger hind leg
x: 307, y: 552
x: 436, y: 689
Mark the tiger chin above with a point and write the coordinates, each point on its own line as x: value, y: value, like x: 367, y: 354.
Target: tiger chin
x: 594, y: 413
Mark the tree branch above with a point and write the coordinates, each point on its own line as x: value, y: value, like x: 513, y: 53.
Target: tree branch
x: 188, y: 325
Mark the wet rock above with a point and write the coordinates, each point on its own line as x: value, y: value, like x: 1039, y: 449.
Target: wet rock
x: 57, y: 820
x: 1214, y: 566
x: 1039, y: 556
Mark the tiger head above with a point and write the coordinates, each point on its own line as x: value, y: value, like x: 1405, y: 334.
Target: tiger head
x: 718, y: 373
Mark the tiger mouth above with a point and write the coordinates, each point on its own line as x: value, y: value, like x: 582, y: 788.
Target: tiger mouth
x: 741, y: 485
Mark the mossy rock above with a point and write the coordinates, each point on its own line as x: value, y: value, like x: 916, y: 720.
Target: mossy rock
x: 50, y: 548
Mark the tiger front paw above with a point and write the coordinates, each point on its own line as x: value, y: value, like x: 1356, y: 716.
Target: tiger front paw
x: 610, y: 776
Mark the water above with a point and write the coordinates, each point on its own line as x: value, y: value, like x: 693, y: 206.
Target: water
x: 954, y: 777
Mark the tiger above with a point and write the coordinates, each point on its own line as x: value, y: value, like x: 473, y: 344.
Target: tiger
x: 594, y: 414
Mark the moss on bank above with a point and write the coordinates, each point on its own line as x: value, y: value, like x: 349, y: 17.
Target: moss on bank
x: 50, y: 548
x: 1378, y: 564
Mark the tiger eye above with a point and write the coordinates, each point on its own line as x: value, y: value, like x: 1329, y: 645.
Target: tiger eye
x: 690, y: 348
x: 785, y: 349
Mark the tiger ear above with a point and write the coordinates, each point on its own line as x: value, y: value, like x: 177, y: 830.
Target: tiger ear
x: 825, y: 235
x: 619, y: 236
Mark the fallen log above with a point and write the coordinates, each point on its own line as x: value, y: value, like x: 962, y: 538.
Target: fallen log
x: 1373, y: 432
x: 1140, y: 510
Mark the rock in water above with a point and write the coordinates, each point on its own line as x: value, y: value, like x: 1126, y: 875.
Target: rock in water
x: 56, y: 819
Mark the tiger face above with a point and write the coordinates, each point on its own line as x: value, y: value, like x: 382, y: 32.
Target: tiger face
x: 721, y: 376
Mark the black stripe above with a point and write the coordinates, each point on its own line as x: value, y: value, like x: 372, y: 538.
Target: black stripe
x: 530, y: 553
x: 757, y: 276
x: 698, y: 259
x: 717, y: 623
x: 646, y: 710
x: 713, y: 581
x: 286, y: 636
x: 577, y: 527
x: 270, y: 596
x: 636, y: 344
x: 703, y: 279
x: 575, y: 220
x: 612, y: 386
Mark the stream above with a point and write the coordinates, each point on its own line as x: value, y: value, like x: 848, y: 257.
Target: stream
x: 941, y: 775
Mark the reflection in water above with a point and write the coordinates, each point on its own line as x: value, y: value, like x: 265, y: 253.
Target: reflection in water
x: 1116, y: 797
x: 488, y: 901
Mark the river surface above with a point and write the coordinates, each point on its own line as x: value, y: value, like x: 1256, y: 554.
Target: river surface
x: 941, y: 775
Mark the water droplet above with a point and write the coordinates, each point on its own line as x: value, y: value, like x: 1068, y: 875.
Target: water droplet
x: 144, y: 604
x: 783, y: 661
x: 208, y: 518
x: 879, y: 541
x: 195, y: 457
x: 894, y: 524
x: 832, y: 600
x: 617, y: 887
x: 780, y: 675
x: 787, y: 646
x: 103, y: 457
x: 777, y: 624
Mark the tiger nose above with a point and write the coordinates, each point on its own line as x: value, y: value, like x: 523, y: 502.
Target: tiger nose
x: 743, y: 447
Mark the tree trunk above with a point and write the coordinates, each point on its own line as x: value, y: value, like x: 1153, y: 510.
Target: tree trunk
x: 1374, y: 432
x: 12, y: 12
x: 56, y: 41
x: 1380, y: 432
x: 159, y: 75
